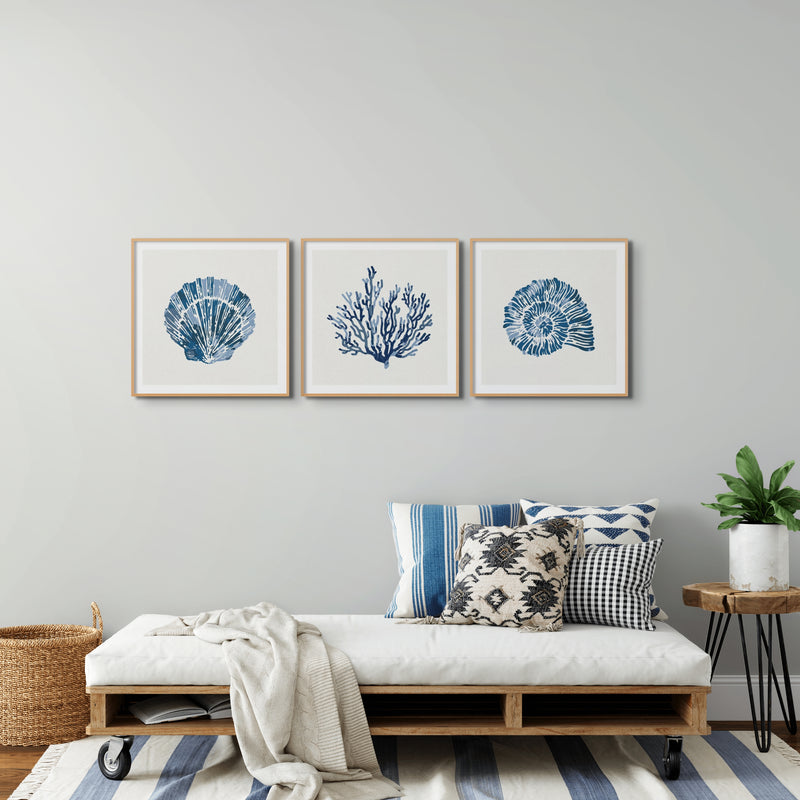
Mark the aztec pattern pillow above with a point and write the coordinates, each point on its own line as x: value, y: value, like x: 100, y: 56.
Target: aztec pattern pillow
x: 605, y: 525
x: 513, y: 577
x: 611, y: 585
x: 426, y: 538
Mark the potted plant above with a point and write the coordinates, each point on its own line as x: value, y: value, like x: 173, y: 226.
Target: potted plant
x: 760, y: 518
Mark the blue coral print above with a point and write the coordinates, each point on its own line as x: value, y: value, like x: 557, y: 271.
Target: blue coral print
x: 546, y: 315
x: 209, y: 318
x: 387, y: 327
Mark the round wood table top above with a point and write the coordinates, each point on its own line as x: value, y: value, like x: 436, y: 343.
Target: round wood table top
x: 721, y: 598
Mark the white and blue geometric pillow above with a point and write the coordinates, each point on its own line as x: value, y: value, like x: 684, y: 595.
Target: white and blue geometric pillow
x: 426, y: 539
x: 628, y: 524
x: 604, y: 525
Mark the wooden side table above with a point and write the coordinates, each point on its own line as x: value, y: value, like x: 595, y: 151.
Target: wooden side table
x: 723, y: 602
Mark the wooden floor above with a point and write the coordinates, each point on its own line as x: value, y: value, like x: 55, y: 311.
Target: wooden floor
x: 16, y: 762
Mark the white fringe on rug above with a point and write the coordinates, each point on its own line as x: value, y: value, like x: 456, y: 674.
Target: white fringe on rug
x: 39, y: 773
x: 786, y: 750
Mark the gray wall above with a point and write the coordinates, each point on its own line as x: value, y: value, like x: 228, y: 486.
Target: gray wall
x: 672, y: 124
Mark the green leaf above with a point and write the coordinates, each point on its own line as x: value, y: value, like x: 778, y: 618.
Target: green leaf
x: 776, y: 507
x: 788, y: 498
x: 779, y: 476
x: 729, y: 498
x: 785, y: 510
x: 747, y: 464
x: 732, y: 499
x: 787, y: 491
x: 737, y: 485
x: 725, y: 509
x: 786, y: 517
x: 728, y: 523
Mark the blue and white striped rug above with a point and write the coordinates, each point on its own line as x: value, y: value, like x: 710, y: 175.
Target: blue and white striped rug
x: 723, y: 765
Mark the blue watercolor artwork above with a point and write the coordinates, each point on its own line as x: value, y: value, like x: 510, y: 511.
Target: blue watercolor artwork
x: 546, y: 315
x: 387, y: 327
x: 209, y: 318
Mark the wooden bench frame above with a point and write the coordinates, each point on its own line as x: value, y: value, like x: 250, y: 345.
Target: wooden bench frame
x: 458, y: 711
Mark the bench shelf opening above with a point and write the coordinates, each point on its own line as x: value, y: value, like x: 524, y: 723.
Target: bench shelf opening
x: 457, y: 710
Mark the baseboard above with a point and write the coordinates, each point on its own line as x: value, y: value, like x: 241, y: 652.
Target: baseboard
x: 729, y: 699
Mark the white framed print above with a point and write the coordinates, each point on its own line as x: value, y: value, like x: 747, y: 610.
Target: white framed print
x: 549, y: 317
x: 210, y: 317
x: 380, y: 317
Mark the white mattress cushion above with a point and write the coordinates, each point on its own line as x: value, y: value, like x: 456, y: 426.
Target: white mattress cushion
x: 389, y: 652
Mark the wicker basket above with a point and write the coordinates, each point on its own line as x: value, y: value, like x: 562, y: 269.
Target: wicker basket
x: 43, y: 696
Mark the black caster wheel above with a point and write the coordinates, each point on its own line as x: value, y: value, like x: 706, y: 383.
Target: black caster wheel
x: 672, y: 757
x: 114, y: 757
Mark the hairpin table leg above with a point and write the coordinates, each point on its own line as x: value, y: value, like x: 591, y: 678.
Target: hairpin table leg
x: 787, y: 708
x: 762, y: 724
x: 714, y: 646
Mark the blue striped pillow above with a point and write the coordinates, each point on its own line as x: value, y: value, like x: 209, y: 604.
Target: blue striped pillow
x: 426, y: 538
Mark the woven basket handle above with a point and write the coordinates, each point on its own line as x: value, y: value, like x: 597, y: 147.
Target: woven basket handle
x: 97, y: 619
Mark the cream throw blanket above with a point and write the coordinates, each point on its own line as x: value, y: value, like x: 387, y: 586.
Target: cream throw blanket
x: 297, y: 709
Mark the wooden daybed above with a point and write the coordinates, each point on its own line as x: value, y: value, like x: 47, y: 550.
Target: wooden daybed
x: 390, y: 658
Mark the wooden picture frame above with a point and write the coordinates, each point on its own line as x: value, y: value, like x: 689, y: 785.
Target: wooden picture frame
x: 549, y: 317
x: 209, y: 317
x: 380, y: 317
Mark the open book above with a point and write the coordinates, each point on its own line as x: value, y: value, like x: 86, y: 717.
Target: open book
x: 173, y: 708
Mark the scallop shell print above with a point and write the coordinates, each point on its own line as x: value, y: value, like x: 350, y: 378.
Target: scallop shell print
x: 209, y: 318
x: 546, y: 315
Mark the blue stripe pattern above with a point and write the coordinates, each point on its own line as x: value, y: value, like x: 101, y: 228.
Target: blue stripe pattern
x: 433, y: 555
x: 451, y: 545
x: 471, y: 771
x: 584, y: 779
x: 258, y: 791
x: 386, y: 753
x: 476, y: 772
x: 95, y: 785
x: 418, y: 573
x: 179, y: 772
x: 754, y: 774
x: 689, y: 786
x: 426, y: 539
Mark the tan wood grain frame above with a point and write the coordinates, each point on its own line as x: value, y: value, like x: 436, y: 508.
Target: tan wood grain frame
x: 134, y: 393
x: 472, y: 345
x: 682, y: 712
x: 304, y: 393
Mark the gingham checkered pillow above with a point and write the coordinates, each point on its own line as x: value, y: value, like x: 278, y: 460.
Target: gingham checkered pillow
x: 611, y: 585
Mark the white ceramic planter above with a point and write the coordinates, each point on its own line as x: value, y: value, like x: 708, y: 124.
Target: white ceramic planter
x: 759, y: 558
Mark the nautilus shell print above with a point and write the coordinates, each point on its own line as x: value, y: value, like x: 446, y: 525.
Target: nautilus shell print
x: 546, y: 315
x: 209, y: 318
